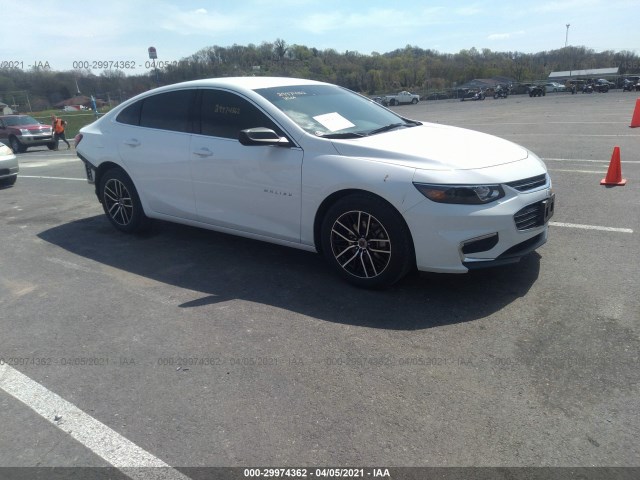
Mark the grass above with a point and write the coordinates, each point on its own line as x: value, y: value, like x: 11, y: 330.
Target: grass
x: 75, y: 120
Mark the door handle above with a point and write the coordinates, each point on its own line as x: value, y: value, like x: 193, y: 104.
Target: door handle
x: 203, y: 152
x: 132, y: 142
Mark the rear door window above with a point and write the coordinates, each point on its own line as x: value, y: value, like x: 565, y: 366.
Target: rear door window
x: 169, y: 111
x: 165, y: 111
x: 131, y: 114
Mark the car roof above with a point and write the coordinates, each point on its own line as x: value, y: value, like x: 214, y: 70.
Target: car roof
x: 243, y: 83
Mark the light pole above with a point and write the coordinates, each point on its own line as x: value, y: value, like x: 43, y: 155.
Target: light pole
x: 566, y: 41
x: 153, y: 54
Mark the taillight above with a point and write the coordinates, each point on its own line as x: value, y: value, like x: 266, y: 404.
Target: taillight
x: 77, y: 139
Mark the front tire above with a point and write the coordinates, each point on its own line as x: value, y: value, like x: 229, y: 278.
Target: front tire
x: 414, y: 101
x: 366, y: 241
x: 16, y: 146
x: 121, y: 202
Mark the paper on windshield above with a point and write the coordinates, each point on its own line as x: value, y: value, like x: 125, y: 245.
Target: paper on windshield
x: 333, y: 121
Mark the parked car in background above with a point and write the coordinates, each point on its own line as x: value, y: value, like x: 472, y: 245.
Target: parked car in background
x: 8, y: 166
x: 601, y: 87
x: 437, y: 96
x: 555, y: 87
x: 401, y: 98
x: 631, y: 84
x: 520, y: 88
x: 74, y: 108
x: 23, y: 131
x: 377, y: 194
x: 602, y: 81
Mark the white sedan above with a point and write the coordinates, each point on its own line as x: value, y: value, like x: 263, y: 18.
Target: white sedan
x: 317, y: 167
x: 555, y: 87
x: 8, y: 166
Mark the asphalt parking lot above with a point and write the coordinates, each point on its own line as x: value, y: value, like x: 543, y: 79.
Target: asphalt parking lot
x: 189, y: 348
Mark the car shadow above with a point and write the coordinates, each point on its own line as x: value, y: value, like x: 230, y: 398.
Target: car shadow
x: 224, y: 267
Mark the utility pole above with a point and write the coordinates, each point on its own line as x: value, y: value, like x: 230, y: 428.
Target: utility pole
x: 566, y: 41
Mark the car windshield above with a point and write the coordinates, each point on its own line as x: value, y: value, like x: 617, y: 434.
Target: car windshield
x: 23, y: 120
x: 333, y: 112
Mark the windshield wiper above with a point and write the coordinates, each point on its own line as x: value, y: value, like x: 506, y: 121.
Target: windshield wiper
x: 342, y: 135
x: 393, y: 126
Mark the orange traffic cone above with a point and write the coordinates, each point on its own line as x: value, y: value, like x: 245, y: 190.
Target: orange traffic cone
x: 614, y: 174
x: 635, y: 121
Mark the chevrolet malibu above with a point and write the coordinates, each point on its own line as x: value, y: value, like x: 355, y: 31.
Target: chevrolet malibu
x: 317, y: 167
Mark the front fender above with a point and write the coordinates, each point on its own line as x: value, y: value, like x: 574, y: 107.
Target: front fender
x: 388, y: 181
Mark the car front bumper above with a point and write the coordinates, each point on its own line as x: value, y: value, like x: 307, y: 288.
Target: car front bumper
x: 35, y: 140
x: 8, y: 166
x: 457, y: 238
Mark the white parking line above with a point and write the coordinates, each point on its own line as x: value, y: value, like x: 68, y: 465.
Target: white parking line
x: 579, y: 160
x: 94, y: 435
x: 601, y: 172
x: 54, y: 178
x: 550, y: 123
x: 572, y: 135
x: 49, y: 163
x: 591, y: 227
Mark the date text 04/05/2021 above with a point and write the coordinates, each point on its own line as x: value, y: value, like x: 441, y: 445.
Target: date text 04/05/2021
x: 299, y: 473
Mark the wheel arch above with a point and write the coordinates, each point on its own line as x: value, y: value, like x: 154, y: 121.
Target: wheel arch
x: 137, y: 220
x: 102, y: 169
x: 336, y: 196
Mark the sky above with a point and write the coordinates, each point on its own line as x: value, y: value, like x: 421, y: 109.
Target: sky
x: 72, y: 33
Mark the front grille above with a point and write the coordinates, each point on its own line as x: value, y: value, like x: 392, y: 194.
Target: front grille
x: 534, y: 215
x: 530, y: 183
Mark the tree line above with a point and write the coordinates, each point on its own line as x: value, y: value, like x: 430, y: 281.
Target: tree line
x: 409, y: 68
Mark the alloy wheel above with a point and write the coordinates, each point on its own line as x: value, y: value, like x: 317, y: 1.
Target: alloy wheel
x: 360, y: 244
x: 118, y: 201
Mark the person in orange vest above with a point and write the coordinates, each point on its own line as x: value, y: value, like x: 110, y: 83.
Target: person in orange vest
x: 58, y: 126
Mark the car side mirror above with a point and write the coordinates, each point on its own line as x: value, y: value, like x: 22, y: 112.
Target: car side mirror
x: 261, y: 136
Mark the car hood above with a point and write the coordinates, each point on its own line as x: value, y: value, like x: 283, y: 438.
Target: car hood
x: 434, y: 147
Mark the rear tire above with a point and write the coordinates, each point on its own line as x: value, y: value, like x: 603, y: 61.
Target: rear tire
x: 366, y: 241
x: 121, y: 202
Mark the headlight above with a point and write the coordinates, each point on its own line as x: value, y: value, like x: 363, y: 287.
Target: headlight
x: 24, y: 131
x: 461, y: 194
